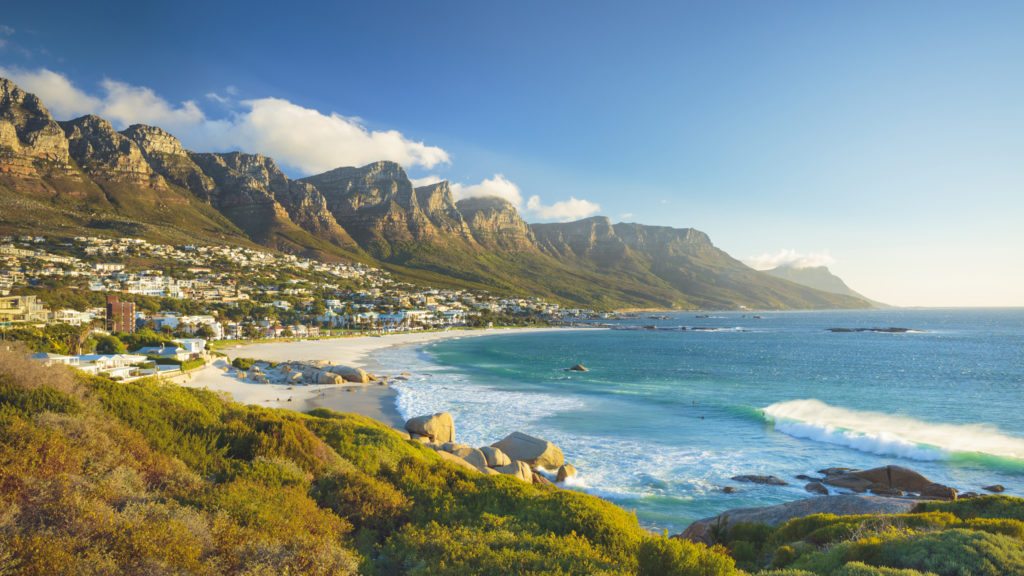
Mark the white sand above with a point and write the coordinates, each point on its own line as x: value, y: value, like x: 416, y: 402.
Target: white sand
x: 370, y: 400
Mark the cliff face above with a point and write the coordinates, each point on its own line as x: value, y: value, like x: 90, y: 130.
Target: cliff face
x: 439, y: 206
x: 496, y: 225
x: 592, y: 238
x: 166, y: 155
x: 104, y: 154
x: 32, y: 144
x: 253, y: 192
x: 377, y: 204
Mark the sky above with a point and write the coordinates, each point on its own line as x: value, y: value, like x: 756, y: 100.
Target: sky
x: 882, y: 139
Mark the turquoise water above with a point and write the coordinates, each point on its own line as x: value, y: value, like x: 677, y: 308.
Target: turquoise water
x: 665, y: 417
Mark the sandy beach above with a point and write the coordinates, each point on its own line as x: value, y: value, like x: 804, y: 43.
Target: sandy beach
x: 375, y: 399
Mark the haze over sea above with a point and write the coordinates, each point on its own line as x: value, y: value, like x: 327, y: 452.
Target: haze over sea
x: 665, y: 417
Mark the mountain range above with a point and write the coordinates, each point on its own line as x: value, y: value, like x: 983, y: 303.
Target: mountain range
x: 84, y: 177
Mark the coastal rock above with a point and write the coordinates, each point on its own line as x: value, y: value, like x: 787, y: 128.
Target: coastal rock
x: 495, y: 457
x: 536, y: 452
x: 519, y: 469
x: 966, y: 495
x: 884, y: 479
x: 438, y: 427
x: 565, y: 472
x: 840, y: 505
x: 539, y: 479
x: 759, y: 479
x: 351, y: 374
x: 449, y: 457
x: 938, y: 492
x: 729, y: 490
x: 997, y: 488
x: 580, y: 368
x: 816, y: 488
x: 473, y: 456
x: 329, y: 378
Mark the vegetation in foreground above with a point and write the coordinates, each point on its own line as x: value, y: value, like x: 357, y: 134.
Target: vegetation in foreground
x: 100, y: 477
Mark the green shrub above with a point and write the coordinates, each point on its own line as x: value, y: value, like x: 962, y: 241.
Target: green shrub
x: 784, y: 556
x: 956, y: 552
x: 192, y: 364
x: 982, y: 507
x: 364, y: 501
x: 243, y: 363
x: 861, y: 569
x: 673, y: 557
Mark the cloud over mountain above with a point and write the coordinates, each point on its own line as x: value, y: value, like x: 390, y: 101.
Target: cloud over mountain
x: 302, y: 138
x: 791, y: 258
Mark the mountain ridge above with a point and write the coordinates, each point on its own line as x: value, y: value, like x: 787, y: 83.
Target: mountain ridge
x: 82, y: 175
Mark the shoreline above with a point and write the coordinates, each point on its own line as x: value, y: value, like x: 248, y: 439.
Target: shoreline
x: 376, y: 400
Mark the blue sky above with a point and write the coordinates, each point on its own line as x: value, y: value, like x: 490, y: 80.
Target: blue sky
x: 883, y: 139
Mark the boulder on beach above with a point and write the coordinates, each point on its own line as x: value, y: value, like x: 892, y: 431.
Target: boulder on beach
x: 495, y: 457
x: 329, y: 378
x: 760, y: 479
x: 519, y: 469
x: 438, y: 427
x: 350, y: 374
x: 997, y: 488
x: 840, y: 505
x: 536, y: 452
x: 565, y: 472
x: 579, y: 368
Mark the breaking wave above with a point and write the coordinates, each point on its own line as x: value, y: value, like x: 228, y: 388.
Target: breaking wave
x: 891, y: 435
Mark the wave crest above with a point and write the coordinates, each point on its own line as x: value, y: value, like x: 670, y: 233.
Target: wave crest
x: 890, y: 435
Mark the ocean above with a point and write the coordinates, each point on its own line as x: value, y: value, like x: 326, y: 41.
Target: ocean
x: 665, y: 416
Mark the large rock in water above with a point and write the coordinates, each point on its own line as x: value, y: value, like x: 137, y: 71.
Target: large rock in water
x: 884, y: 479
x: 840, y: 505
x: 534, y: 451
x: 438, y: 427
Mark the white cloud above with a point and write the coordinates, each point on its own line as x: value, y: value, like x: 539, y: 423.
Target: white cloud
x: 564, y: 210
x: 217, y: 97
x: 297, y: 137
x: 626, y: 215
x: 426, y: 180
x: 500, y: 186
x: 58, y: 94
x: 496, y: 185
x: 6, y: 30
x: 790, y: 258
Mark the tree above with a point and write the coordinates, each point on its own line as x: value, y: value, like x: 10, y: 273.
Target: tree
x: 109, y: 344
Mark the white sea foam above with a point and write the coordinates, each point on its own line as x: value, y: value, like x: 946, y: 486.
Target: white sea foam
x: 887, y: 434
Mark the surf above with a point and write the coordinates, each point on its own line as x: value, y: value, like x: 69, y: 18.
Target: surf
x: 893, y: 435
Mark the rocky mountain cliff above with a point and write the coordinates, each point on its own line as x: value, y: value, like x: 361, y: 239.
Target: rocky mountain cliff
x: 83, y: 176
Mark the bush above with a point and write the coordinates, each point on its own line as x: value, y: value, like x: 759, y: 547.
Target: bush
x: 243, y: 363
x: 673, y: 557
x: 109, y: 344
x: 192, y: 364
x: 981, y: 507
x: 861, y: 569
x: 364, y: 501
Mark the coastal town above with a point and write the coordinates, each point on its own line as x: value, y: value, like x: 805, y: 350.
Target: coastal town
x: 74, y: 300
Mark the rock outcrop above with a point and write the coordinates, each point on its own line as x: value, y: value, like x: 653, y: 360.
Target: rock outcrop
x: 565, y: 472
x: 535, y: 452
x: 496, y: 225
x: 495, y: 457
x: 885, y: 479
x: 759, y: 479
x: 32, y: 144
x: 105, y: 154
x: 438, y: 427
x: 840, y: 505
